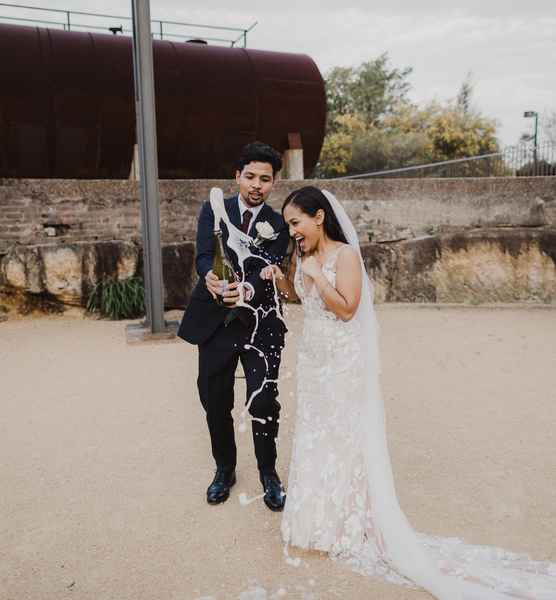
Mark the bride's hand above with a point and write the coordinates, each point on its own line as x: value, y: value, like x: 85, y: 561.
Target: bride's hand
x: 311, y: 267
x: 271, y: 270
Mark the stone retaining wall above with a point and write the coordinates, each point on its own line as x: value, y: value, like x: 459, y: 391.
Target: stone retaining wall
x: 36, y: 211
x: 433, y: 240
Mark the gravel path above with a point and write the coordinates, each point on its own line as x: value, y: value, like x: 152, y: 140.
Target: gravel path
x: 104, y: 457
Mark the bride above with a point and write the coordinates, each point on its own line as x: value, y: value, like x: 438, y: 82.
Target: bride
x: 341, y: 496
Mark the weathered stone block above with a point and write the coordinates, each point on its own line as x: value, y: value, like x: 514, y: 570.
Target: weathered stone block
x: 178, y: 268
x: 480, y: 266
x: 69, y: 272
x: 508, y: 265
x: 380, y: 262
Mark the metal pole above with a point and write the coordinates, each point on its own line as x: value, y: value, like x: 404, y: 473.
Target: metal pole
x: 68, y: 16
x: 535, y: 141
x: 147, y: 145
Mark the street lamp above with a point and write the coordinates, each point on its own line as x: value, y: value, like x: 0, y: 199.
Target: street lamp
x: 529, y: 114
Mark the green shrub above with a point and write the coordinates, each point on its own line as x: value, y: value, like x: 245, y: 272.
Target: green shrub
x: 118, y: 298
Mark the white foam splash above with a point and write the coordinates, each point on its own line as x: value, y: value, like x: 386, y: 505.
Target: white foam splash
x: 244, y: 500
x: 240, y: 242
x: 257, y: 592
x: 293, y: 562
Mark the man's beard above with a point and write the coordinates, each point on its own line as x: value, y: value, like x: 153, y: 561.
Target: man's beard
x: 254, y: 199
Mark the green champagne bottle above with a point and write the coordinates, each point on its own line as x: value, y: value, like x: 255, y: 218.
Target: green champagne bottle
x: 222, y: 266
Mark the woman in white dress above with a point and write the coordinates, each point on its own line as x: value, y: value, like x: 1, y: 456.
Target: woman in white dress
x: 341, y: 494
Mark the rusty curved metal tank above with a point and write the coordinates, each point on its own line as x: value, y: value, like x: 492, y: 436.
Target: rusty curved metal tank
x: 67, y: 107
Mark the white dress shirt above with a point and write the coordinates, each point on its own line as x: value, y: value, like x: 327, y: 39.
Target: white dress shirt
x: 254, y: 211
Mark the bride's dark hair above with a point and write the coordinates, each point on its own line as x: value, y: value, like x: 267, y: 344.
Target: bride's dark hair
x: 309, y: 200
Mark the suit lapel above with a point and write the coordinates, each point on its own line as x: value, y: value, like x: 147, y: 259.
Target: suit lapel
x: 232, y: 208
x: 265, y: 214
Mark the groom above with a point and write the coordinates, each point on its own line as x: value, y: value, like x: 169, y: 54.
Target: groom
x: 223, y: 332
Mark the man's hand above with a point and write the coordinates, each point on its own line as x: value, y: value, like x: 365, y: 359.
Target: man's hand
x: 238, y: 293
x: 233, y: 293
x: 214, y: 285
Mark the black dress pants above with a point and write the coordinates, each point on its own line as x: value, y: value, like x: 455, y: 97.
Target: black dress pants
x: 218, y: 359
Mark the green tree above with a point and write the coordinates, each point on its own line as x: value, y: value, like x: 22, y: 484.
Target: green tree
x: 337, y: 148
x: 371, y: 91
x: 455, y: 134
x: 465, y: 94
x: 339, y: 98
x: 372, y: 126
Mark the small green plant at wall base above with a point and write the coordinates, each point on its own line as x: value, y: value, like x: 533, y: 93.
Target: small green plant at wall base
x: 118, y: 298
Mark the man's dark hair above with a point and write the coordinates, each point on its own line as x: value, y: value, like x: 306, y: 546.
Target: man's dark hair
x: 259, y: 152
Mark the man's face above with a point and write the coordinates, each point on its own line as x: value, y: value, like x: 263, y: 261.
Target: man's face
x: 255, y: 182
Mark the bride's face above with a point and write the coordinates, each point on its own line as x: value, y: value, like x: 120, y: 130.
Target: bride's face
x: 305, y: 229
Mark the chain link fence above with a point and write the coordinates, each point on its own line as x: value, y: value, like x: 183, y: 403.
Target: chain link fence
x: 522, y: 160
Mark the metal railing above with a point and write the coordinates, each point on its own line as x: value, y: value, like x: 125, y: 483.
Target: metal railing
x: 73, y: 20
x: 513, y: 161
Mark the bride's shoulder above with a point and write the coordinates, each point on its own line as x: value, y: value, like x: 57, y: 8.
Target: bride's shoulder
x: 346, y: 250
x: 347, y: 257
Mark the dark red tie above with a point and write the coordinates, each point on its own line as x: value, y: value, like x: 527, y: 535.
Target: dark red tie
x: 246, y: 220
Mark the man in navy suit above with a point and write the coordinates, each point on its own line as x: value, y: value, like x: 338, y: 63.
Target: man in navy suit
x: 222, y: 332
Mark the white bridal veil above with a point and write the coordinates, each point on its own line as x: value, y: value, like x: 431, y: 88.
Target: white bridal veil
x: 448, y: 568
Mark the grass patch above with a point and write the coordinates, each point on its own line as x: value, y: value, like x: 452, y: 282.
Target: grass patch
x: 118, y: 298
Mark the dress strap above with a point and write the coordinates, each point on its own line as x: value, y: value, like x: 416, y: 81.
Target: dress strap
x: 333, y: 257
x: 298, y: 275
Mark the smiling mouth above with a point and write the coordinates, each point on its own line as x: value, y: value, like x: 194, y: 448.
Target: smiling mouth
x: 299, y: 241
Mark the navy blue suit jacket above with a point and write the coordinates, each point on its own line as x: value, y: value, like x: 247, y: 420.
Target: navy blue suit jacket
x: 203, y: 315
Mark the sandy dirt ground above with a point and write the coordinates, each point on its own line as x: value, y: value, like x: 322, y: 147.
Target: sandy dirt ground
x: 105, y: 457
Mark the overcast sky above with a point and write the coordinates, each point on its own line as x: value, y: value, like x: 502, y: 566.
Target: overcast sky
x: 510, y: 48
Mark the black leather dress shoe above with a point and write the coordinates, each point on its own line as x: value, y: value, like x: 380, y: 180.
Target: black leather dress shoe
x: 219, y: 490
x: 274, y: 495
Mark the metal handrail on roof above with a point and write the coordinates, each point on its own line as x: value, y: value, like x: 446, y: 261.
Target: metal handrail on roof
x: 159, y: 27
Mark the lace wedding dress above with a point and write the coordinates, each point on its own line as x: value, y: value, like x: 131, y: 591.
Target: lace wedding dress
x: 341, y: 495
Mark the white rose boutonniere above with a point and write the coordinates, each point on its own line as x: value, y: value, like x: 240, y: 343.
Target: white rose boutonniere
x: 265, y: 233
